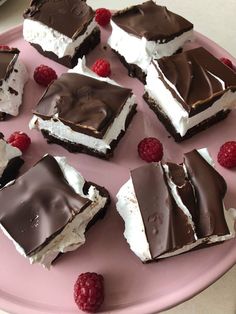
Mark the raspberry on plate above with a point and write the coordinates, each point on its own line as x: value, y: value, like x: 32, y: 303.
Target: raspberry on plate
x: 227, y: 155
x: 102, y: 67
x: 102, y: 16
x: 227, y: 62
x: 44, y: 75
x: 89, y: 292
x: 20, y: 140
x: 150, y: 149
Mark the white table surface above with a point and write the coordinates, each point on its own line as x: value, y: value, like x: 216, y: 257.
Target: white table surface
x: 216, y: 20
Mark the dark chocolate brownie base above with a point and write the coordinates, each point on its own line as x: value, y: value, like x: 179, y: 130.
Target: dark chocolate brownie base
x: 11, y: 171
x: 79, y: 148
x: 89, y: 44
x: 194, y: 130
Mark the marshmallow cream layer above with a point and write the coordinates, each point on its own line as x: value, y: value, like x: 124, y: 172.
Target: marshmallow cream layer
x: 173, y: 109
x: 128, y: 208
x: 12, y: 89
x: 51, y: 40
x: 7, y: 152
x: 140, y: 51
x: 73, y: 234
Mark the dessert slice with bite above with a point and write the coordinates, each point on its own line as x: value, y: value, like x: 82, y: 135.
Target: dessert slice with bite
x: 49, y: 215
x: 170, y: 209
x: 84, y: 112
x: 13, y: 76
x: 190, y: 91
x: 146, y: 31
x: 62, y: 30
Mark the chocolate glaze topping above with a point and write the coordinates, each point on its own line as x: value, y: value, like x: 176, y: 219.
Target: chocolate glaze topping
x: 39, y: 205
x: 198, y: 76
x: 210, y: 188
x: 7, y: 61
x: 68, y: 17
x: 85, y: 104
x: 151, y: 21
x: 166, y: 226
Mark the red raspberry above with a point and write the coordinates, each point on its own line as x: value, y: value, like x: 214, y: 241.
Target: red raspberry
x: 20, y: 140
x: 150, y: 149
x: 44, y: 75
x: 89, y: 292
x: 227, y: 62
x: 4, y: 47
x: 227, y: 155
x: 102, y: 67
x: 102, y: 16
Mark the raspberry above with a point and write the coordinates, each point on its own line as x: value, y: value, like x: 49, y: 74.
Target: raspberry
x: 4, y: 47
x: 227, y: 155
x: 102, y: 16
x: 227, y: 62
x: 44, y: 75
x: 150, y: 149
x: 89, y: 292
x: 102, y: 67
x: 20, y: 140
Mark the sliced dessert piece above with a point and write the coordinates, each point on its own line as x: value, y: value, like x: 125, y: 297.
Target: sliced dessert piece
x: 10, y: 162
x: 147, y: 31
x: 62, y: 30
x: 48, y: 209
x: 84, y: 113
x: 190, y: 91
x: 168, y: 209
x: 13, y: 76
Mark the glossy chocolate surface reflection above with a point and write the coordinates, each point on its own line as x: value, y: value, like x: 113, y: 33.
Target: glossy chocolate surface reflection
x: 151, y: 21
x: 76, y: 15
x: 38, y: 205
x: 7, y: 61
x: 85, y: 104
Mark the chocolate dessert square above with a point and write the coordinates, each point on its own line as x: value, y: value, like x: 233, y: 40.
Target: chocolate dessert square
x: 147, y: 31
x: 168, y: 209
x: 13, y: 76
x: 84, y: 114
x: 10, y: 162
x: 62, y: 30
x: 190, y: 91
x: 50, y: 215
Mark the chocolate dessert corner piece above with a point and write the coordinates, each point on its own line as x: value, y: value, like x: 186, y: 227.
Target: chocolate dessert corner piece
x: 146, y: 31
x: 62, y: 30
x: 170, y: 209
x: 84, y: 114
x: 50, y: 215
x: 13, y: 76
x: 190, y: 91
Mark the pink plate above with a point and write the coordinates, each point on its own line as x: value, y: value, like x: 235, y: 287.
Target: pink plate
x: 131, y: 287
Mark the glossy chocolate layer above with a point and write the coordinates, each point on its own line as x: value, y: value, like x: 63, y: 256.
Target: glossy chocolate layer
x: 68, y: 17
x: 38, y: 205
x: 210, y: 189
x: 85, y: 104
x: 166, y: 226
x: 7, y: 61
x: 151, y: 21
x: 198, y: 77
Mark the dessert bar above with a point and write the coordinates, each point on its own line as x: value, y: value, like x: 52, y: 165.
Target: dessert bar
x: 50, y: 215
x: 190, y: 91
x: 168, y: 209
x: 62, y: 30
x: 146, y: 31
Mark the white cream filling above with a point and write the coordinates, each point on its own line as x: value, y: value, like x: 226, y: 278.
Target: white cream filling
x: 7, y: 152
x: 51, y: 40
x: 73, y: 235
x: 128, y: 208
x: 140, y: 51
x: 9, y: 102
x: 63, y: 132
x: 170, y: 106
